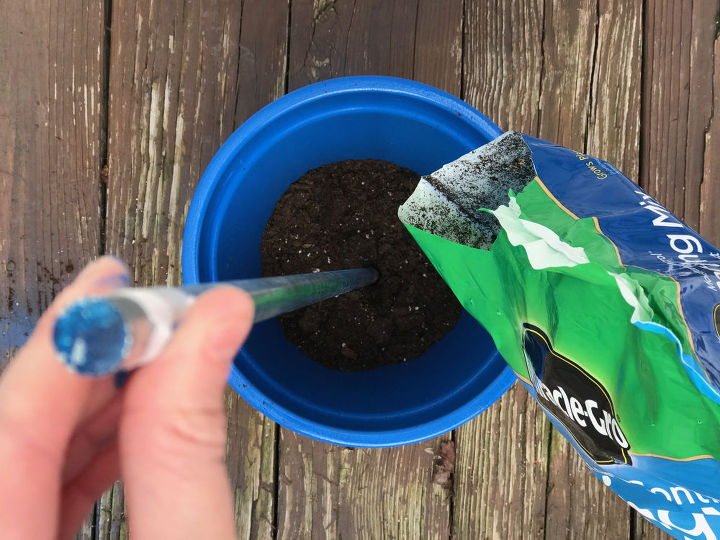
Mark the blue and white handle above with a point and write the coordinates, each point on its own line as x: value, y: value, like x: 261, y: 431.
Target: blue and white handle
x: 127, y: 328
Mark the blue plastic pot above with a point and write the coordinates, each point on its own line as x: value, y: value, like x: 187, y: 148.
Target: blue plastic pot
x: 405, y: 122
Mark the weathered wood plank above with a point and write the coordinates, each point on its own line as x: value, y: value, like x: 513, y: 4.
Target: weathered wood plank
x: 578, y: 504
x: 438, y: 44
x: 502, y: 455
x: 681, y: 91
x: 262, y: 66
x: 118, y: 523
x: 261, y: 78
x: 710, y: 187
x: 503, y: 60
x: 173, y: 73
x: 332, y: 38
x: 678, y: 106
x: 183, y: 75
x: 110, y: 521
x: 50, y: 155
x: 614, y: 124
x: 308, y: 488
x: 251, y: 467
x: 331, y: 492
x: 501, y: 471
x: 326, y: 491
x: 87, y: 529
x: 104, y: 515
x: 567, y: 65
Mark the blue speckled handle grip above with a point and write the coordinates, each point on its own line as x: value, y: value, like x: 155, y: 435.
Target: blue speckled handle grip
x: 100, y: 335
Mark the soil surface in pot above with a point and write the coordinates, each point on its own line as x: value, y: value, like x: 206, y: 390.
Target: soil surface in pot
x: 344, y: 215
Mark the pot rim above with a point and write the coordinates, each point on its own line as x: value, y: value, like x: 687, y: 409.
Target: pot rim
x: 197, y: 213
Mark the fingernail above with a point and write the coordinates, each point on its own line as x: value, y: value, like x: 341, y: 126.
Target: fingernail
x: 113, y: 257
x: 84, y: 272
x: 89, y: 268
x: 114, y: 280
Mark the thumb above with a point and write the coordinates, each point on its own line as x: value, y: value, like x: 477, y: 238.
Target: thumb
x: 195, y: 364
x: 173, y: 430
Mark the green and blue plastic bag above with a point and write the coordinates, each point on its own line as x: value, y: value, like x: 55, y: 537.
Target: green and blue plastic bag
x: 605, y: 305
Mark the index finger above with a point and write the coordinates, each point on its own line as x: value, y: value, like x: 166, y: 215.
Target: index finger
x: 36, y: 386
x: 40, y: 404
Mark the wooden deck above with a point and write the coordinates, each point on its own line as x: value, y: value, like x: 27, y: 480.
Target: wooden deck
x: 111, y: 109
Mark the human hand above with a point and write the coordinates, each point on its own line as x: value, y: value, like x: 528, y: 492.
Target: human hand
x: 65, y: 438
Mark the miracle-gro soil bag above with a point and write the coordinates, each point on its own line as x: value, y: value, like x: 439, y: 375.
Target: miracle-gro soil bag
x: 605, y: 305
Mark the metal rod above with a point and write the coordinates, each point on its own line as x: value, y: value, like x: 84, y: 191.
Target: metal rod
x: 127, y: 328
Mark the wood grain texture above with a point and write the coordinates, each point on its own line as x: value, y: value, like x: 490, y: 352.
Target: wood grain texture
x: 326, y: 491
x: 262, y: 66
x: 331, y: 492
x: 644, y: 530
x: 183, y: 75
x: 501, y: 471
x: 569, y: 48
x: 438, y: 44
x: 110, y: 521
x: 261, y: 78
x: 104, y: 514
x: 251, y: 467
x: 50, y: 157
x: 678, y: 103
x: 87, y: 529
x: 578, y: 504
x: 342, y: 37
x: 710, y: 186
x: 169, y: 109
x: 118, y: 529
x: 172, y: 103
x: 503, y: 61
x: 614, y: 124
x: 308, y: 488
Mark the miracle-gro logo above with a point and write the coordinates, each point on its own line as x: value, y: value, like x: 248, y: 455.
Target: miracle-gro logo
x: 602, y: 421
x: 576, y: 399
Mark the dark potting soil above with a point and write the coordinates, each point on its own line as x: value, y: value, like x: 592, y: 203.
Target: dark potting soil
x: 344, y: 215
